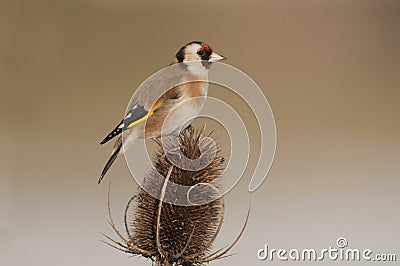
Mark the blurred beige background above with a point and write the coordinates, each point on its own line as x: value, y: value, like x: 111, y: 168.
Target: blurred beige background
x: 330, y: 70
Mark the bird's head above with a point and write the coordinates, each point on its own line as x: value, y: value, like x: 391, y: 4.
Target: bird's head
x: 197, y: 51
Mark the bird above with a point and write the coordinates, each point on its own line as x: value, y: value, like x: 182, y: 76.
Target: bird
x: 151, y: 104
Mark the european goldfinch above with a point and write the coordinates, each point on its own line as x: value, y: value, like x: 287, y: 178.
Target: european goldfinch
x: 152, y: 104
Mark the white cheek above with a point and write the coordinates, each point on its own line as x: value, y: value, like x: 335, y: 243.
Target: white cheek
x: 191, y: 57
x: 197, y: 68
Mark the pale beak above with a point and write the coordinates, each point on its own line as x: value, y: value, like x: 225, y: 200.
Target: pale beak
x: 214, y: 57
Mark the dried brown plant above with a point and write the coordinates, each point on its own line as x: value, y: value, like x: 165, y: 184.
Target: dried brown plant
x: 171, y: 234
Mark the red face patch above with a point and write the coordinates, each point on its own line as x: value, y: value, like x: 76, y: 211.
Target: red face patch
x: 206, y: 47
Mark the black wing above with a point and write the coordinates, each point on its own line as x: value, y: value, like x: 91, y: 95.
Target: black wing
x: 134, y: 116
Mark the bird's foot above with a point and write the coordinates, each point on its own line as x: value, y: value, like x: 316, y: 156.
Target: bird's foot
x: 167, y: 149
x: 174, y: 151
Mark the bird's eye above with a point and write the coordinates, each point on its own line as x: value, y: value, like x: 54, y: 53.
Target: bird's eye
x: 201, y: 52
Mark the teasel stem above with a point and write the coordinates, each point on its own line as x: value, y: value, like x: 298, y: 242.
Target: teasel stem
x: 164, y: 188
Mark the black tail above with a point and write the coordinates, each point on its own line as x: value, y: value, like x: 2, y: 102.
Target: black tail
x: 110, y: 161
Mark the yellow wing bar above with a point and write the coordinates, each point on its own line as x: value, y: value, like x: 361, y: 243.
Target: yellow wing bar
x: 157, y: 105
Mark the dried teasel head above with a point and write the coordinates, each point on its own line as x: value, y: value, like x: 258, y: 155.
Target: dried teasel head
x: 177, y: 234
